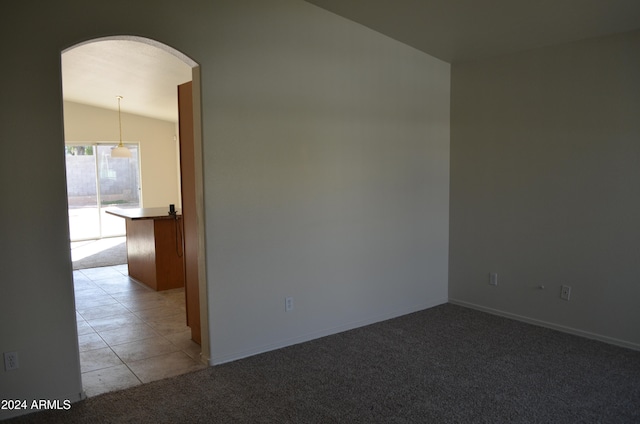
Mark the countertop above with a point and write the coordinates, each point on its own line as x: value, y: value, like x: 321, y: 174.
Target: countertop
x: 142, y: 213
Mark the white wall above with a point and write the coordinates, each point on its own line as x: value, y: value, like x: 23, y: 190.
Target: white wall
x: 326, y: 151
x: 328, y: 177
x: 159, y: 162
x: 545, y: 165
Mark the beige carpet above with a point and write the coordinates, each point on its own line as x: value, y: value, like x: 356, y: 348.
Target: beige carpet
x: 96, y: 253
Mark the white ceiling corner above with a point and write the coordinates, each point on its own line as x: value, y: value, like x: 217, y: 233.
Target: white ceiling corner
x: 463, y: 30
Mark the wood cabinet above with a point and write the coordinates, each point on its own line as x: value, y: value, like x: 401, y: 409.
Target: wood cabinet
x: 155, y: 252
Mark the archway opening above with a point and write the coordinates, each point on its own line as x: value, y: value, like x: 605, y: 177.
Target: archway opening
x: 146, y: 74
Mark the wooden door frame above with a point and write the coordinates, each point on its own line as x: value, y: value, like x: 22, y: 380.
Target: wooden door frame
x: 205, y: 354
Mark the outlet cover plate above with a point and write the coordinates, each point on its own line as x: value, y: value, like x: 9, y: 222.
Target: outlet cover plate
x: 565, y: 292
x: 11, y: 361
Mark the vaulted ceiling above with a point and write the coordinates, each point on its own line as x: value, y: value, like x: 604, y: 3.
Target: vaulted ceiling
x: 462, y: 30
x: 451, y: 30
x: 145, y: 75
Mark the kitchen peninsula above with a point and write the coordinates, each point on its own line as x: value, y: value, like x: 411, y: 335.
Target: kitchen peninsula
x: 154, y: 246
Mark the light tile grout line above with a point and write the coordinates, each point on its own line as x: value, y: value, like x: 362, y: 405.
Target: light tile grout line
x: 145, y: 321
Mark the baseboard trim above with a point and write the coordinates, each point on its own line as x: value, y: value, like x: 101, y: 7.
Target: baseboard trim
x: 205, y: 359
x: 325, y: 332
x: 546, y: 324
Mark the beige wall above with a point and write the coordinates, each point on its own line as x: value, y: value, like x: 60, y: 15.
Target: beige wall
x: 159, y: 161
x: 545, y: 165
x: 326, y: 152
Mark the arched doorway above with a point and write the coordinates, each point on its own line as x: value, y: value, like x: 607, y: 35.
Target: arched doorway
x: 147, y: 74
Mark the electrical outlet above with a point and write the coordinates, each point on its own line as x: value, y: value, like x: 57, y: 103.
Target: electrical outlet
x: 11, y: 361
x: 288, y: 304
x: 565, y: 292
x: 493, y: 279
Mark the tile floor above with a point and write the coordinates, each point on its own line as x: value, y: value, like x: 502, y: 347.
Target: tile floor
x: 128, y: 333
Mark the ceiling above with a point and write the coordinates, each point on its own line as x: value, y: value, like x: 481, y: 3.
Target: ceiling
x: 451, y: 30
x: 145, y: 75
x: 463, y: 30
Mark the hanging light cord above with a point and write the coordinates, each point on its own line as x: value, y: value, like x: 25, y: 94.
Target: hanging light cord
x: 119, y: 120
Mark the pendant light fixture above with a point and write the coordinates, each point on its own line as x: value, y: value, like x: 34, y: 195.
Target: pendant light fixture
x: 120, y: 151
